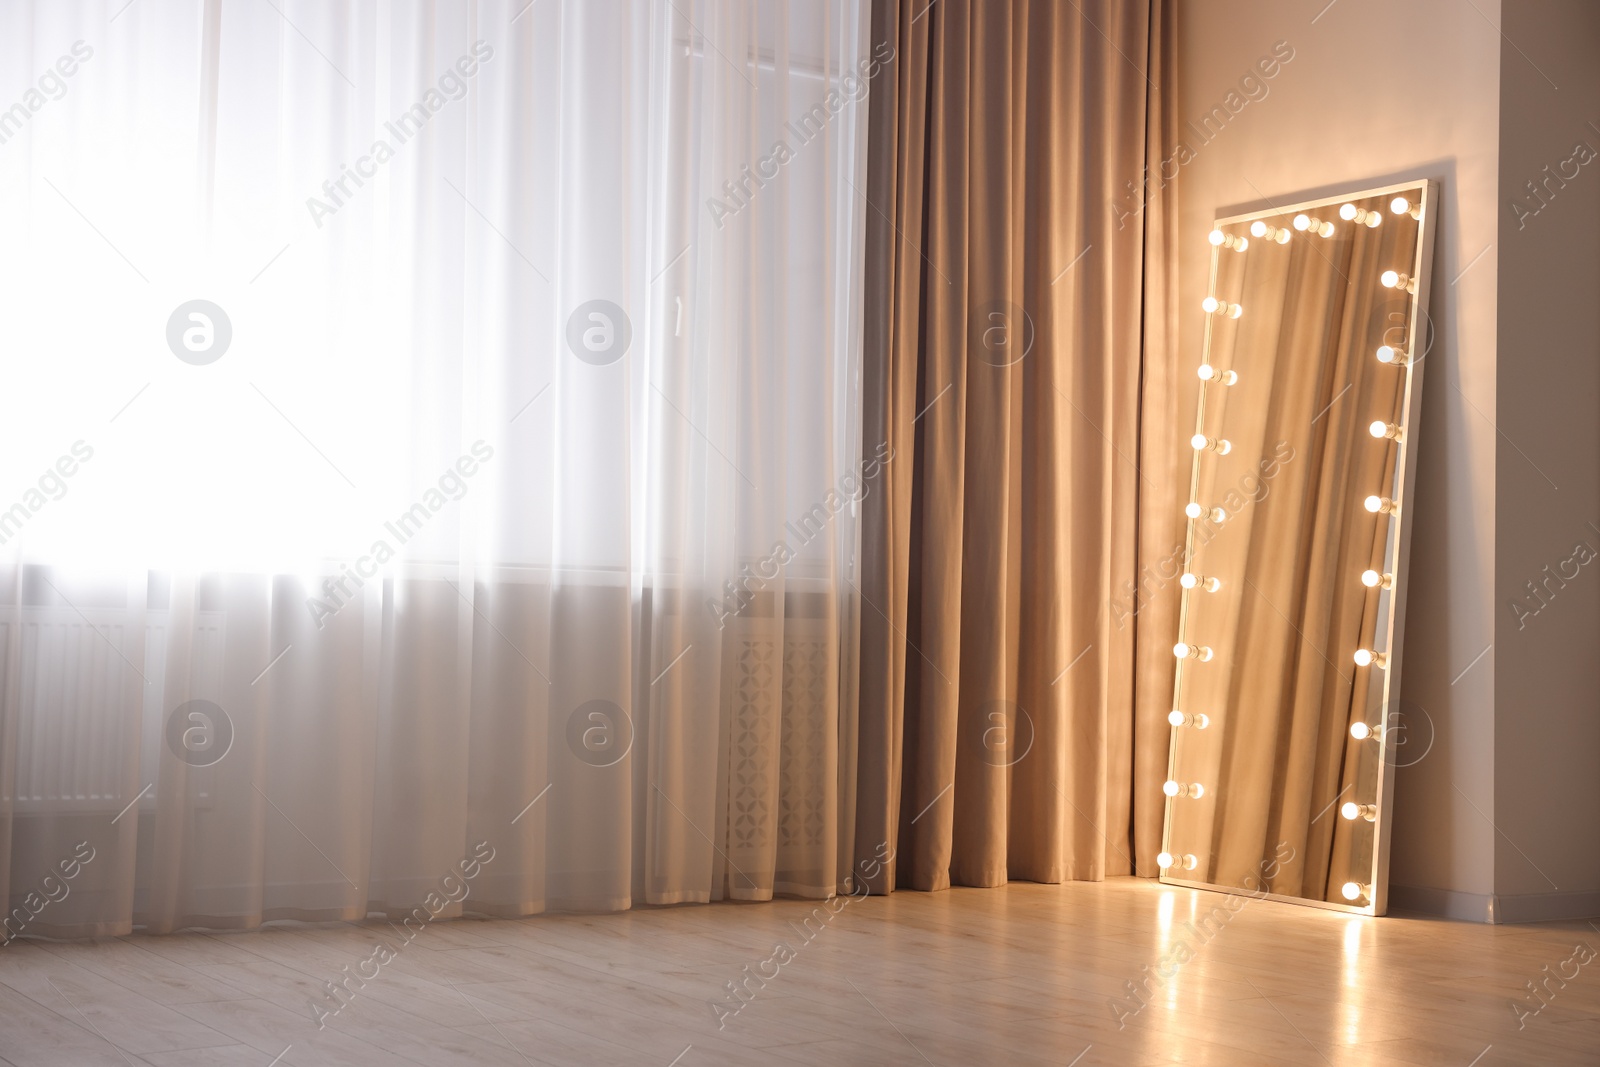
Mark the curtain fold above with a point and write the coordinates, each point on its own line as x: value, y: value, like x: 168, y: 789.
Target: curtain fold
x: 452, y: 462
x: 1018, y: 323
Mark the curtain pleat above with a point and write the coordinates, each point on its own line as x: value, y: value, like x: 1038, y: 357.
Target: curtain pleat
x: 1017, y: 338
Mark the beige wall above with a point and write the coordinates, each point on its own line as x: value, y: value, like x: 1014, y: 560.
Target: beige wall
x: 1381, y: 91
x: 1547, y: 655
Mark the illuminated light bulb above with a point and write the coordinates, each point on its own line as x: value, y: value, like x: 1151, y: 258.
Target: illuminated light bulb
x: 1228, y: 240
x: 1192, y: 790
x: 1212, y: 305
x: 1380, y: 505
x: 1351, y: 213
x: 1195, y: 511
x: 1202, y: 443
x: 1208, y: 373
x: 1365, y: 657
x: 1381, y: 429
x: 1393, y: 279
x: 1200, y: 581
x: 1184, y: 650
x: 1270, y: 233
x: 1393, y: 356
x: 1353, y: 811
x: 1185, y: 862
x: 1353, y: 891
x: 1375, y: 580
x: 1361, y: 731
x: 1197, y: 720
x: 1401, y: 206
x: 1314, y: 225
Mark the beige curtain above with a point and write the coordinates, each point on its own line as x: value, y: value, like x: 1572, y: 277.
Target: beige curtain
x: 1018, y: 329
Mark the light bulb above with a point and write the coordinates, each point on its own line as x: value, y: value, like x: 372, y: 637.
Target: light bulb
x: 1211, y: 304
x: 1184, y: 650
x: 1185, y: 862
x: 1381, y: 429
x: 1380, y: 505
x: 1194, y: 511
x: 1365, y: 657
x: 1193, y: 790
x: 1351, y: 213
x: 1198, y: 720
x: 1207, y: 372
x: 1353, y: 891
x: 1271, y: 233
x: 1327, y: 229
x: 1401, y: 206
x: 1228, y: 240
x: 1302, y: 222
x: 1352, y: 811
x: 1391, y: 354
x: 1393, y: 279
x: 1202, y: 443
x: 1360, y: 731
x: 1200, y: 581
x: 1375, y: 580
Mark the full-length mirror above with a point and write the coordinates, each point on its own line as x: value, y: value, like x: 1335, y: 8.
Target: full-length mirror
x: 1285, y: 723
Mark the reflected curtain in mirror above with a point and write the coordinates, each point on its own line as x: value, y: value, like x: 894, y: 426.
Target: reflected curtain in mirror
x: 1299, y: 447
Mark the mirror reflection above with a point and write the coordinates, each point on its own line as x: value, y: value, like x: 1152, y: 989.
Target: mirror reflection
x: 1288, y: 646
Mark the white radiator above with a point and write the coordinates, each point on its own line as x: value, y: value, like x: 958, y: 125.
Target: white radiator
x: 81, y: 710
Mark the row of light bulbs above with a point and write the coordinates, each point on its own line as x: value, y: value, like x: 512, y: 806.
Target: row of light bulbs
x: 1304, y: 223
x: 1375, y: 504
x: 1355, y: 892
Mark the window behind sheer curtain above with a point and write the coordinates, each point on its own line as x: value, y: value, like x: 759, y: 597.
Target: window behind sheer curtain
x: 516, y: 507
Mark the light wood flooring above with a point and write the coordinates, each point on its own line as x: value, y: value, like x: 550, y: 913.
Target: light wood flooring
x: 1024, y: 974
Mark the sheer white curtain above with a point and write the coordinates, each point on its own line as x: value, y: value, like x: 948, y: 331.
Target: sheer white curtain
x: 428, y: 431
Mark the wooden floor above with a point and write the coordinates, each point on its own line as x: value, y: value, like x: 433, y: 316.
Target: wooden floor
x: 1027, y: 974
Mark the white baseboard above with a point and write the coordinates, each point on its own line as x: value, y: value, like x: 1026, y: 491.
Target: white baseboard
x: 1490, y: 908
x: 1543, y: 907
x: 1444, y: 903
